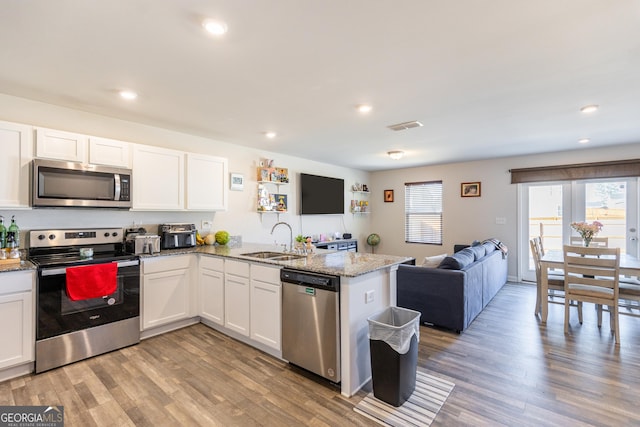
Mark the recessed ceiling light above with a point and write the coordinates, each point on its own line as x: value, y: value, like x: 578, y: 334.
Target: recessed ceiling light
x: 364, y: 108
x: 583, y: 140
x: 270, y: 135
x: 589, y: 108
x: 128, y: 94
x: 217, y: 28
x: 396, y: 154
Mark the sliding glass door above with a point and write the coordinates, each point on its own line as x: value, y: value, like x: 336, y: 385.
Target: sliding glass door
x: 548, y: 209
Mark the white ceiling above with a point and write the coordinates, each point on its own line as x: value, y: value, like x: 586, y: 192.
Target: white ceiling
x: 486, y: 78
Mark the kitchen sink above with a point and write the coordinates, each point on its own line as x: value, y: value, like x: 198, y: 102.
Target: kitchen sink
x: 287, y: 257
x: 275, y: 256
x: 263, y: 254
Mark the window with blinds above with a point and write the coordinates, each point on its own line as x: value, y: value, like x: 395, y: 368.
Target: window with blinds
x: 423, y: 212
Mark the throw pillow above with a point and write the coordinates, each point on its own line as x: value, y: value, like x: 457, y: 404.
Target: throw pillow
x: 459, y: 260
x: 433, y: 261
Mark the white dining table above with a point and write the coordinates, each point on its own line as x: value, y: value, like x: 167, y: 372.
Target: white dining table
x: 629, y: 266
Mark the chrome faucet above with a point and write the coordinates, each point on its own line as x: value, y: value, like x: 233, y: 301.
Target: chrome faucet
x: 290, y: 234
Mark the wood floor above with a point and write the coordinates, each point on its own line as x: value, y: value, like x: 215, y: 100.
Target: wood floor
x: 508, y: 370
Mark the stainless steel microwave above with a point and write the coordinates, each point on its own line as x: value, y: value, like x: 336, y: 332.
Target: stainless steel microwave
x: 68, y: 184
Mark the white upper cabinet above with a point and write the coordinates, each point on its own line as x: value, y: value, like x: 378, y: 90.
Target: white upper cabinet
x: 73, y: 147
x: 60, y: 145
x: 158, y: 178
x: 103, y: 151
x: 17, y: 150
x: 206, y: 182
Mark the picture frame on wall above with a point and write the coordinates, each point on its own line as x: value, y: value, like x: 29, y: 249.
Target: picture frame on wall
x: 388, y: 196
x: 236, y: 182
x: 470, y: 189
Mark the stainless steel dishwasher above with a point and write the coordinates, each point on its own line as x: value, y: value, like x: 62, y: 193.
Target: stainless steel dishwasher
x: 311, y: 322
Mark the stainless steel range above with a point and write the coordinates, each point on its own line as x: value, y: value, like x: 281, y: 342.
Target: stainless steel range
x: 87, y: 294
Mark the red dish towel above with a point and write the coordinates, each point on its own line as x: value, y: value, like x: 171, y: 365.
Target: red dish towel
x: 91, y: 281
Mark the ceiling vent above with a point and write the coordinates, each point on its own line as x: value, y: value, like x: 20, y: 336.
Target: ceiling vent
x: 405, y: 125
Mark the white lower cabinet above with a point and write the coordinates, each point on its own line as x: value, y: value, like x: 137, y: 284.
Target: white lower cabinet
x: 166, y: 290
x: 236, y: 296
x: 17, y: 316
x: 266, y: 305
x: 244, y: 298
x: 211, y: 282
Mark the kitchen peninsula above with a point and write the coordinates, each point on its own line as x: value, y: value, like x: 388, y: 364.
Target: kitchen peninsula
x: 367, y: 286
x: 240, y: 296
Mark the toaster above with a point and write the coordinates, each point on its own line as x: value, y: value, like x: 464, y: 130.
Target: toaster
x: 142, y: 243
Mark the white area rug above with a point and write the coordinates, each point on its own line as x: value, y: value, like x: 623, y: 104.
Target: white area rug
x: 419, y: 410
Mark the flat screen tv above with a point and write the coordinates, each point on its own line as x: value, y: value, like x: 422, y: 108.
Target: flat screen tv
x: 321, y: 195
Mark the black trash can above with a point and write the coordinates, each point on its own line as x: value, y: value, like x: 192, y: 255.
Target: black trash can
x: 394, y: 334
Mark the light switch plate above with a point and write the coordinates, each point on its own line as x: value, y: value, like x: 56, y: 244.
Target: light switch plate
x: 368, y: 297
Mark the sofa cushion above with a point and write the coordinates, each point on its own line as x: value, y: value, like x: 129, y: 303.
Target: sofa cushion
x: 489, y: 247
x: 433, y: 261
x: 479, y: 251
x: 459, y: 260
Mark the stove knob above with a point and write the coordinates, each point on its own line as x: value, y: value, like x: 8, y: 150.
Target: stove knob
x: 114, y: 234
x: 52, y: 236
x: 106, y: 234
x: 41, y: 236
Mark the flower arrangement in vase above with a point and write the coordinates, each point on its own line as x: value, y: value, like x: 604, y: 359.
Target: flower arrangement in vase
x: 587, y: 231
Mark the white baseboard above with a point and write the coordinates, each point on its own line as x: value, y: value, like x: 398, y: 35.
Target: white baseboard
x: 168, y: 327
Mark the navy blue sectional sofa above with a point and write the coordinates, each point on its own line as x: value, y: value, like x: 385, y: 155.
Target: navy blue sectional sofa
x: 454, y: 293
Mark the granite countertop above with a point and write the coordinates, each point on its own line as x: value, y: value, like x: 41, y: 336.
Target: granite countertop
x: 337, y: 263
x: 23, y: 265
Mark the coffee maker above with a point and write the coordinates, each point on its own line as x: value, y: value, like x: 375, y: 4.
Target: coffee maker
x: 174, y: 236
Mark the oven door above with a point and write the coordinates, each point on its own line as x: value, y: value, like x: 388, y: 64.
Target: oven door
x: 57, y: 314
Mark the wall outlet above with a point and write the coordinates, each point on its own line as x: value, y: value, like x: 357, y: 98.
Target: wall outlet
x: 368, y: 297
x: 206, y: 225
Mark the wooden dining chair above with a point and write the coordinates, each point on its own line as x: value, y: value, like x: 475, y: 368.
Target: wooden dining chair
x: 592, y: 275
x: 555, y: 281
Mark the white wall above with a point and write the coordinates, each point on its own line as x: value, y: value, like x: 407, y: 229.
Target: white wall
x: 241, y: 217
x: 470, y: 218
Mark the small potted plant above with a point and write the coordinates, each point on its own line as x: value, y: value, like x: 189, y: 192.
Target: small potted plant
x: 300, y: 241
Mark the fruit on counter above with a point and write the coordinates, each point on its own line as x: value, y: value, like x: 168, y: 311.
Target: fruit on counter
x: 222, y: 237
x: 209, y: 239
x: 199, y: 239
